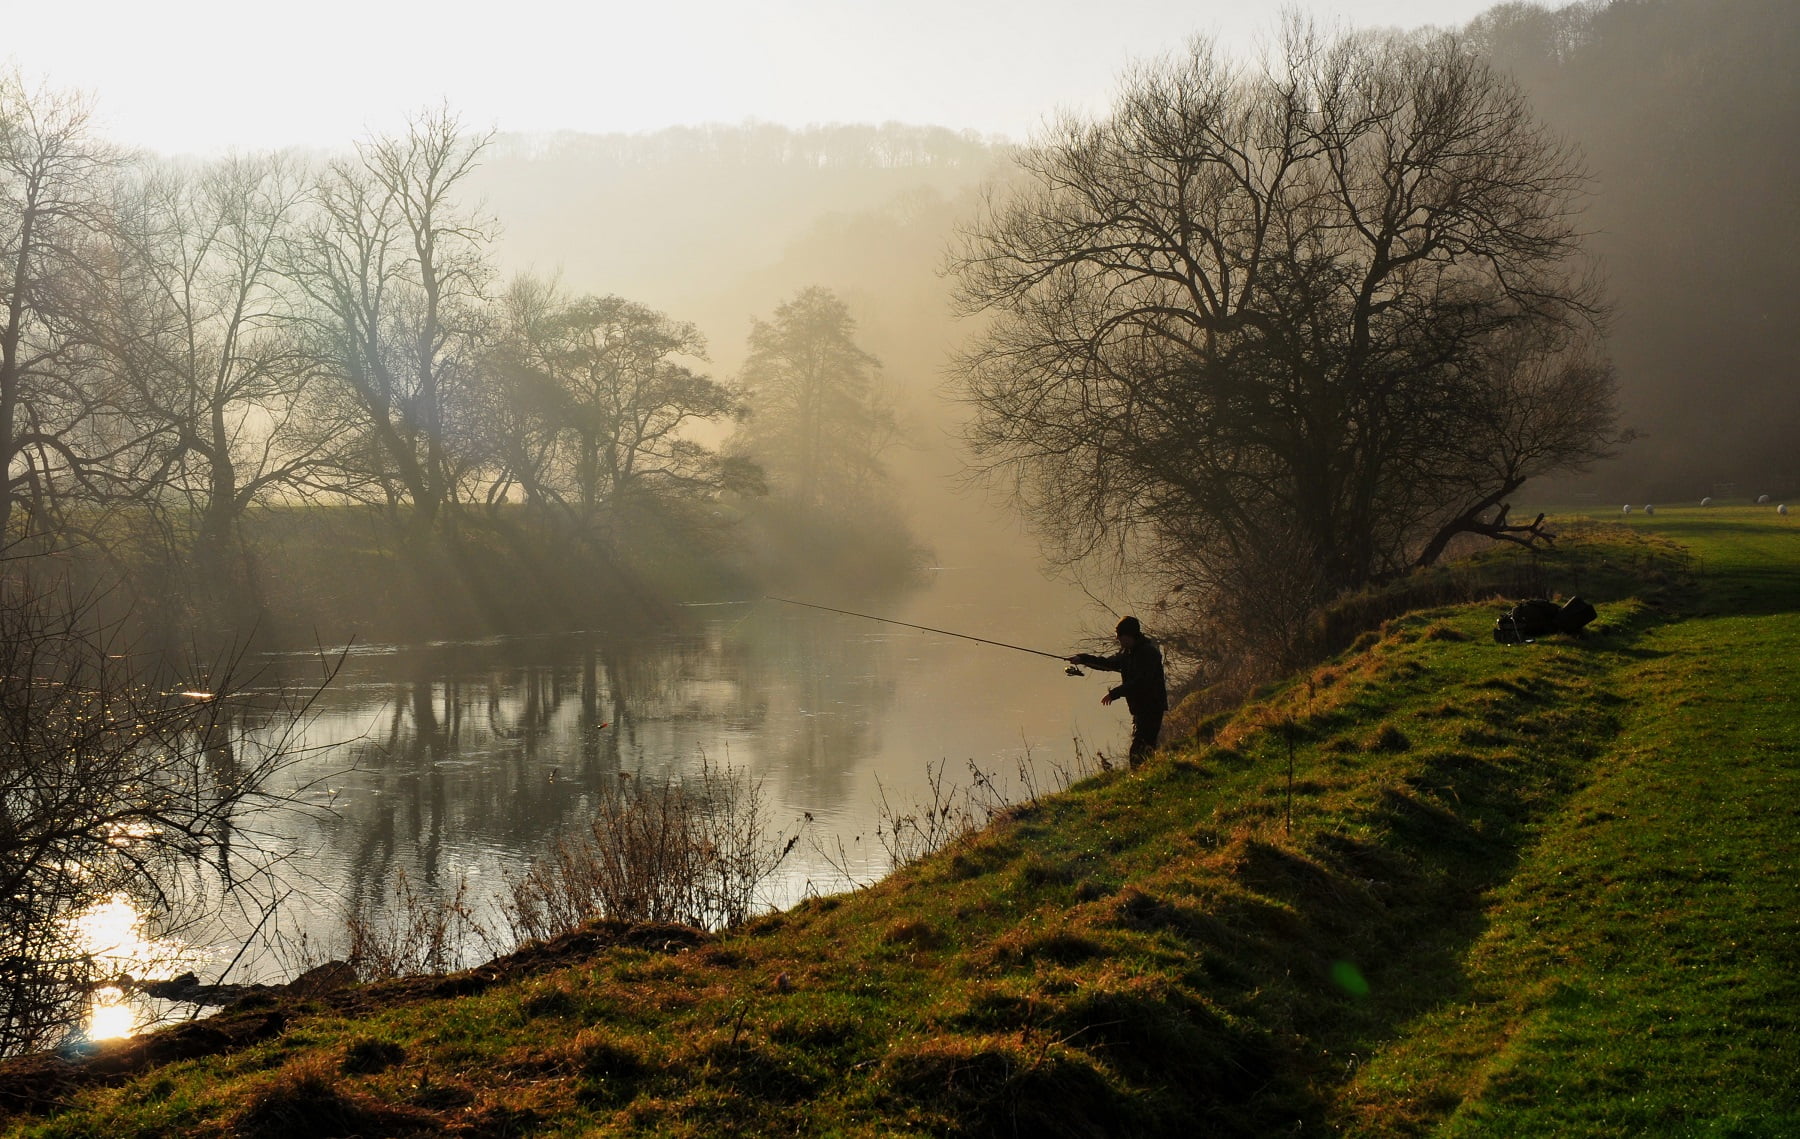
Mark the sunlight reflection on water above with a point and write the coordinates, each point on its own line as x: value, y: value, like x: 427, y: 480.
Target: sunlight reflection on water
x: 110, y: 1015
x: 113, y: 934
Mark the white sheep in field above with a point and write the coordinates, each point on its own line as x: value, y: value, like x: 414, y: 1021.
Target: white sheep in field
x: 1626, y: 509
x: 1648, y: 509
x: 1762, y: 500
x: 1707, y: 501
x: 1782, y: 509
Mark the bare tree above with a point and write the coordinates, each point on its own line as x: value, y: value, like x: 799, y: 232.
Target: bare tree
x: 603, y: 399
x: 396, y: 268
x: 1289, y: 312
x: 57, y: 431
x: 629, y: 397
x: 200, y: 327
x: 520, y: 401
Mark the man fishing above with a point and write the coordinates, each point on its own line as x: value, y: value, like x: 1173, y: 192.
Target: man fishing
x: 1140, y: 667
x: 1138, y: 661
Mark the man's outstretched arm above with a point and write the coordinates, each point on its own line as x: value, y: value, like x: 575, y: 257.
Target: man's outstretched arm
x: 1114, y: 663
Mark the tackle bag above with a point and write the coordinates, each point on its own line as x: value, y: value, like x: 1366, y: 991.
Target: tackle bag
x: 1529, y: 620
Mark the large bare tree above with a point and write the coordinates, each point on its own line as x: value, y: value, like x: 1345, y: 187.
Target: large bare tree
x: 396, y: 268
x: 1300, y: 321
x: 200, y: 326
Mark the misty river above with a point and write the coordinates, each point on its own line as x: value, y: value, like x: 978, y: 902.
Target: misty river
x: 459, y: 762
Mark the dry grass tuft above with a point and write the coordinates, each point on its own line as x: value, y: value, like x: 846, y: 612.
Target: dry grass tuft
x: 366, y: 1056
x: 600, y: 1053
x: 1387, y: 739
x: 1003, y: 1085
x: 915, y: 932
x: 304, y: 1100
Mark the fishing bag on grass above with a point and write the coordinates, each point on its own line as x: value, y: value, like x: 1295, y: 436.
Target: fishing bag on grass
x: 1575, y: 616
x: 1529, y: 620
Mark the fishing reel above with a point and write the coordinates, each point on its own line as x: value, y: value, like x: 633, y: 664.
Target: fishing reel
x: 1073, y: 671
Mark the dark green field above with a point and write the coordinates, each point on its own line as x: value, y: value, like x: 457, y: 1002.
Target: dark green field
x: 1550, y: 889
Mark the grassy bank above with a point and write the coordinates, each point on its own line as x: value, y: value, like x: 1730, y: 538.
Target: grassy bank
x: 1542, y: 889
x: 1639, y: 973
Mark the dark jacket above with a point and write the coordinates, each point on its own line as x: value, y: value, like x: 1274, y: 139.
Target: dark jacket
x: 1140, y: 670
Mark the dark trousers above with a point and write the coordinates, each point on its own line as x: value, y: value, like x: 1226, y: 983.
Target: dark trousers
x: 1146, y: 725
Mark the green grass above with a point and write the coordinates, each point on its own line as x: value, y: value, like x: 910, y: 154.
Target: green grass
x: 1640, y: 973
x: 1537, y: 890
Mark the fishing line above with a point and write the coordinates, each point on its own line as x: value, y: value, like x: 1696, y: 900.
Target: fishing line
x: 926, y: 629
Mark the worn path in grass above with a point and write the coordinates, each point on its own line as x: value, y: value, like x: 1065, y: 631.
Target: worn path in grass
x: 1640, y: 973
x: 1546, y: 890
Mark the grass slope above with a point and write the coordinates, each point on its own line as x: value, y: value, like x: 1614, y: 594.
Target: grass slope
x: 1640, y: 972
x: 1546, y: 889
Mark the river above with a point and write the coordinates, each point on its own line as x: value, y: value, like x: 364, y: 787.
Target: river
x: 455, y: 764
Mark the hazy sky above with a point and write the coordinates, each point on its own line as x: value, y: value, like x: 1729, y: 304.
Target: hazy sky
x: 203, y: 75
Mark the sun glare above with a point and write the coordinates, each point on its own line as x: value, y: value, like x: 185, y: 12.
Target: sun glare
x: 110, y: 1015
x: 109, y: 930
x: 111, y: 933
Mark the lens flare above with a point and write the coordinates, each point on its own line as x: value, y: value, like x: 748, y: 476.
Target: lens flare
x: 1349, y: 978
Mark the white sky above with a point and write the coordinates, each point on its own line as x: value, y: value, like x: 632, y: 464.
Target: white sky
x: 205, y: 75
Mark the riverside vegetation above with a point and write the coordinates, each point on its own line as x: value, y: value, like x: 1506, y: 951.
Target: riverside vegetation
x: 1431, y: 885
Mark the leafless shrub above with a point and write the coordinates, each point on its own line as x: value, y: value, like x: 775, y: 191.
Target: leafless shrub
x: 948, y: 812
x: 415, y: 931
x: 846, y: 868
x: 698, y: 852
x: 115, y: 772
x: 742, y: 854
x: 930, y: 824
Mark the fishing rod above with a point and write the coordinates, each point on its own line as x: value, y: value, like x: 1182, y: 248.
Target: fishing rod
x: 1071, y: 670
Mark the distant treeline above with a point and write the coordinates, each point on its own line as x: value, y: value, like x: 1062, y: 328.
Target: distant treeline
x: 190, y: 348
x: 1689, y: 114
x: 839, y: 145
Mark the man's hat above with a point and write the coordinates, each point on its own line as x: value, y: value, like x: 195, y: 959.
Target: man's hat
x: 1128, y: 626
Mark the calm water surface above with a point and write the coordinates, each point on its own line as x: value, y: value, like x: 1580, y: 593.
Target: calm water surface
x: 459, y: 762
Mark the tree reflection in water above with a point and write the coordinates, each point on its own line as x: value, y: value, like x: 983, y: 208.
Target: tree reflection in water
x: 463, y: 761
